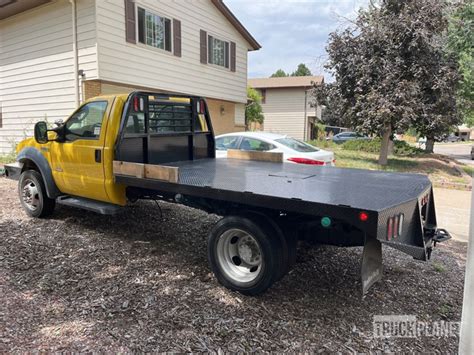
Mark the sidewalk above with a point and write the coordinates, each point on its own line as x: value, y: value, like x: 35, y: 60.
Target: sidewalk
x: 453, y: 209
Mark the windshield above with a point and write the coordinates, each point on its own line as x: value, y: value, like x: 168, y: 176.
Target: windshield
x: 297, y: 145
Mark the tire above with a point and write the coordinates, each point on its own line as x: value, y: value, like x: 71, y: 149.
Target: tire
x: 33, y: 197
x: 274, y: 228
x: 245, y: 255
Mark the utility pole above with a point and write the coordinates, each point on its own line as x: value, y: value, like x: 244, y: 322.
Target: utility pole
x: 466, y: 341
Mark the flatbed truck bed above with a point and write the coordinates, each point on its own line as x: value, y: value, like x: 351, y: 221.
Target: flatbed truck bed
x: 149, y: 152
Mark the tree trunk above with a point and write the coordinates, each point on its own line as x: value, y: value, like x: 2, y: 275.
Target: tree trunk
x: 429, y: 145
x: 383, y: 158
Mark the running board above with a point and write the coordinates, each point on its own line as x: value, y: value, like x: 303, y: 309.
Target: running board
x: 89, y: 205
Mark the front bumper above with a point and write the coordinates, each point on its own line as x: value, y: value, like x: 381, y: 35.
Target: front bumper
x: 13, y: 170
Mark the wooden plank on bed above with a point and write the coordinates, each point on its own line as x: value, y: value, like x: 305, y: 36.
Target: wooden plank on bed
x: 129, y: 169
x: 255, y: 155
x: 162, y: 172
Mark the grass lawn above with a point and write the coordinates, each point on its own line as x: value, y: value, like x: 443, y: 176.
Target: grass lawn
x: 441, y: 170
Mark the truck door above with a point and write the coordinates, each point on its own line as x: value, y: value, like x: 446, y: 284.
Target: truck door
x: 78, y: 162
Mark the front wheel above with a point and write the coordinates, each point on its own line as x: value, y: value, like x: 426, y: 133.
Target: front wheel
x: 245, y: 256
x: 33, y: 197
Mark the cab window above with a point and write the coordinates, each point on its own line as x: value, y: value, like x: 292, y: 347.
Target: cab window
x: 225, y: 143
x: 86, y: 123
x: 255, y: 144
x: 135, y: 123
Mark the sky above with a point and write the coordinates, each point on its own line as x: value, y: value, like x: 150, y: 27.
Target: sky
x: 292, y: 31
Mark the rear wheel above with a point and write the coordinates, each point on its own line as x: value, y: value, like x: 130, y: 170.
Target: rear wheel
x: 33, y: 197
x: 245, y: 256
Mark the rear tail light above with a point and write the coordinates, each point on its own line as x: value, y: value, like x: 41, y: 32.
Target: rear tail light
x: 138, y: 104
x: 395, y: 226
x: 306, y: 161
x: 135, y: 103
x: 201, y: 107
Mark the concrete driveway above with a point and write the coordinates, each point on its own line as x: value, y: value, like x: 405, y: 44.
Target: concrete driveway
x: 453, y: 210
x: 458, y: 151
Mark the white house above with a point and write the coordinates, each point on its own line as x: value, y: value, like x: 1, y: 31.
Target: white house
x: 56, y: 53
x: 286, y: 105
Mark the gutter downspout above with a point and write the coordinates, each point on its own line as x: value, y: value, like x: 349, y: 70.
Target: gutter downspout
x: 305, y: 113
x: 75, y: 52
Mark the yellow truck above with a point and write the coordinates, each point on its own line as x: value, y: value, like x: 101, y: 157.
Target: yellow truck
x: 118, y: 149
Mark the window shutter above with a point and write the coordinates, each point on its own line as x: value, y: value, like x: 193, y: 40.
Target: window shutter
x: 130, y: 21
x: 232, y: 56
x: 203, y: 47
x: 177, y: 37
x: 210, y: 50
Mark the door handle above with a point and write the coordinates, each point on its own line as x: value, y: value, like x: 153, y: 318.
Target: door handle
x: 98, y: 156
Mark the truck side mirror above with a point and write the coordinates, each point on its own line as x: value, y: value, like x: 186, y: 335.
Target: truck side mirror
x: 41, y: 132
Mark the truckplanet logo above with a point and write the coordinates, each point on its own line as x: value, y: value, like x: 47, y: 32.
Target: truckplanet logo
x: 407, y: 326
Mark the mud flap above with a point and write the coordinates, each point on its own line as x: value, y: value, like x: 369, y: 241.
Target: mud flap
x: 371, y: 270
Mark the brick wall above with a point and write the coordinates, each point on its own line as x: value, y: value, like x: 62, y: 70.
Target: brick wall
x: 223, y: 117
x: 92, y: 88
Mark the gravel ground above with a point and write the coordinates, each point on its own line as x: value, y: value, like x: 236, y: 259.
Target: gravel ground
x: 140, y: 282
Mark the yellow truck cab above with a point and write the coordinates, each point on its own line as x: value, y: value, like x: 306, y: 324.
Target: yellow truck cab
x: 115, y: 149
x: 76, y: 158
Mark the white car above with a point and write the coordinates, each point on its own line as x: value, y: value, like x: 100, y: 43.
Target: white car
x: 294, y: 151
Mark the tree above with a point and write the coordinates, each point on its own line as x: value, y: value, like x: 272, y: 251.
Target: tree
x: 390, y: 70
x: 253, y: 109
x: 279, y: 74
x: 333, y: 108
x: 302, y: 70
x: 461, y: 45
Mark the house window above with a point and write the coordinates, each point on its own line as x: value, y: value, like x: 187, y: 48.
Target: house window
x: 263, y: 93
x: 218, y: 52
x: 154, y: 30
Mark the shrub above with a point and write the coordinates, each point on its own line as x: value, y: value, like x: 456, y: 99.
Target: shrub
x: 323, y: 144
x: 401, y: 148
x: 369, y: 146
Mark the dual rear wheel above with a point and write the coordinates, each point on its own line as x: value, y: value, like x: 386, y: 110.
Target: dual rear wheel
x: 249, y: 253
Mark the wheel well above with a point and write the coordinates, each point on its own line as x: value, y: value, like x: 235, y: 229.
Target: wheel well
x: 29, y: 165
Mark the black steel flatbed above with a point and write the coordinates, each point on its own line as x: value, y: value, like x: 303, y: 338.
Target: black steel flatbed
x: 235, y: 180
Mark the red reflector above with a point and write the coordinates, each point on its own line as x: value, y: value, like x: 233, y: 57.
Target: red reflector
x: 363, y: 216
x: 395, y: 227
x: 390, y: 229
x: 306, y: 161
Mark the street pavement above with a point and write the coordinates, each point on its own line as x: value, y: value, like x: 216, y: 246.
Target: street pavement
x: 453, y: 209
x: 458, y: 151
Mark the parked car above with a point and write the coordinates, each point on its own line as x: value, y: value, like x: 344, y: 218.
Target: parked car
x: 452, y: 138
x: 347, y: 136
x: 294, y: 151
x: 472, y: 152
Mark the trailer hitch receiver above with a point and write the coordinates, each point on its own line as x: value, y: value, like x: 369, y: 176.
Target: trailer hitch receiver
x: 441, y: 235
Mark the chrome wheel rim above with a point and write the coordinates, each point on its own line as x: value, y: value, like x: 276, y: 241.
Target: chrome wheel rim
x: 30, y: 194
x: 239, y: 256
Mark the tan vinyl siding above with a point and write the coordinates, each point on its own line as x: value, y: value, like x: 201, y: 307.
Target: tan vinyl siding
x: 139, y: 65
x: 284, y: 111
x: 36, y: 65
